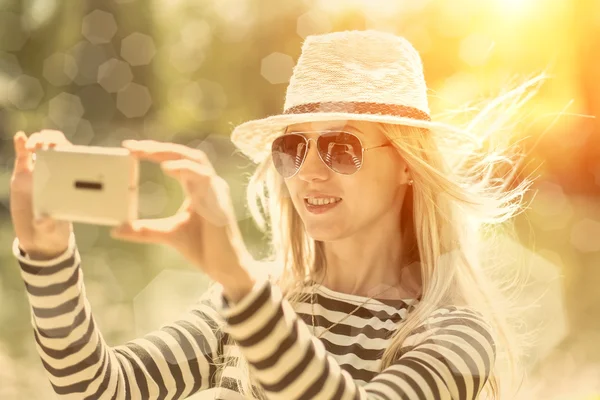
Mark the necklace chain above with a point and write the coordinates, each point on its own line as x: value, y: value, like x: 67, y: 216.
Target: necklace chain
x: 312, y: 303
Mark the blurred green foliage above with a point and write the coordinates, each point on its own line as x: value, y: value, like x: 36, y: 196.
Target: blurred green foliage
x: 189, y: 71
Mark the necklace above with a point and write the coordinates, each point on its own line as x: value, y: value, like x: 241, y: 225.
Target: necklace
x: 312, y: 304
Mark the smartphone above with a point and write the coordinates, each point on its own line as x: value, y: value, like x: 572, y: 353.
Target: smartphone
x: 87, y: 184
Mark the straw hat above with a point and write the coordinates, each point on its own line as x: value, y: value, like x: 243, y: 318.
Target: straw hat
x: 352, y: 75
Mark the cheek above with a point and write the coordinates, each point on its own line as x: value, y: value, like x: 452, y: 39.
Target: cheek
x: 292, y: 188
x: 378, y: 184
x: 374, y: 191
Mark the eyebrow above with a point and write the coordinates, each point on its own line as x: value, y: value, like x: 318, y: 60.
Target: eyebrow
x: 354, y: 130
x: 333, y: 128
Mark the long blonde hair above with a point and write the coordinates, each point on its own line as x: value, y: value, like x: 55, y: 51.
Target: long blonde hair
x: 465, y: 188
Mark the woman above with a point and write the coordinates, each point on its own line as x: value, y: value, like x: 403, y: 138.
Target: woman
x: 374, y: 289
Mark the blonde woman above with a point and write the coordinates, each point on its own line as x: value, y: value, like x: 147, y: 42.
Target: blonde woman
x: 374, y: 289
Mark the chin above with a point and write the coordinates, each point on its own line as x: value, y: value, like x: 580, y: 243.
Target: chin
x: 326, y: 233
x: 324, y: 228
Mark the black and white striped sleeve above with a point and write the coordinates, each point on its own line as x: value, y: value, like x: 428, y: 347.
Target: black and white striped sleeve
x: 451, y: 356
x: 172, y: 362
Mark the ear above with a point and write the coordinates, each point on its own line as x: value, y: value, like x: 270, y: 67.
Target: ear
x: 405, y: 175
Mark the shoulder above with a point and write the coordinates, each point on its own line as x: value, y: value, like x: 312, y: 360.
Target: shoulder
x: 455, y: 344
x: 456, y: 324
x: 455, y: 315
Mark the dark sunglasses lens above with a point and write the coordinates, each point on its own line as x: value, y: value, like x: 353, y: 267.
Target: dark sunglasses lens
x: 288, y: 153
x: 341, y: 151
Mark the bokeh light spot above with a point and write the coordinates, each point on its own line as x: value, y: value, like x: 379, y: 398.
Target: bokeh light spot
x: 65, y: 109
x: 585, y: 235
x: 551, y: 209
x: 99, y: 27
x: 196, y: 34
x: 475, y: 49
x: 25, y: 92
x: 277, y: 68
x: 458, y: 89
x: 60, y: 69
x: 184, y: 58
x: 153, y: 199
x: 152, y: 308
x: 134, y: 100
x: 39, y: 13
x: 419, y: 36
x: 5, y: 86
x: 551, y: 199
x: 9, y: 64
x: 312, y: 23
x: 114, y: 75
x: 84, y: 133
x: 138, y: 49
x: 203, y: 99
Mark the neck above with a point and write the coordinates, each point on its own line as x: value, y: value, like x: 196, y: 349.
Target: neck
x: 370, y: 262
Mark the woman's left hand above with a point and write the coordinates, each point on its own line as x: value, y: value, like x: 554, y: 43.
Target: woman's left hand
x: 204, y: 229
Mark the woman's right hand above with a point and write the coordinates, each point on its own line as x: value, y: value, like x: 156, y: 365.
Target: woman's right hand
x: 45, y: 238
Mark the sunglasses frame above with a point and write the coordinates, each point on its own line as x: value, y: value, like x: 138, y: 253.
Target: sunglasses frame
x: 321, y: 133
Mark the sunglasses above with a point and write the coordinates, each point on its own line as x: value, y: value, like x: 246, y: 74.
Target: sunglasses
x: 341, y: 151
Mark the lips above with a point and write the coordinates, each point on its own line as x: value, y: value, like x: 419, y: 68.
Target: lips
x: 337, y: 200
x: 320, y: 209
x: 320, y: 195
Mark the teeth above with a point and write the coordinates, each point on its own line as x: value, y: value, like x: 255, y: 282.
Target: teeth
x: 321, y: 201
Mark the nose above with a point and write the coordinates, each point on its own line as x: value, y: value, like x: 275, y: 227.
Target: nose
x: 313, y: 167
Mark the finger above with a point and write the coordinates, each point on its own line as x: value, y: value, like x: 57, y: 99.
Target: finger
x: 158, y: 230
x: 186, y: 169
x: 160, y: 151
x: 23, y: 161
x: 185, y: 206
x: 45, y: 138
x: 191, y: 175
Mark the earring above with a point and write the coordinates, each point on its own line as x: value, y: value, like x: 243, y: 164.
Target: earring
x: 410, y: 182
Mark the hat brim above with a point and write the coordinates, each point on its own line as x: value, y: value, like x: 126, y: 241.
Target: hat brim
x: 254, y: 138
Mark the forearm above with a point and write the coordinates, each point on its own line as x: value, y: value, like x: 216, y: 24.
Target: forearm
x: 67, y: 340
x: 288, y: 361
x: 237, y: 284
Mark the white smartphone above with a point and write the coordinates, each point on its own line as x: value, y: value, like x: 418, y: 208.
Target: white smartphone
x: 88, y: 184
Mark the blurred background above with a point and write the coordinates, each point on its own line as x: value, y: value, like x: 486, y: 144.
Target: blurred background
x: 188, y: 71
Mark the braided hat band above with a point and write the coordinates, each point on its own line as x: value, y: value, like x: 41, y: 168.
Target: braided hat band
x: 360, y: 108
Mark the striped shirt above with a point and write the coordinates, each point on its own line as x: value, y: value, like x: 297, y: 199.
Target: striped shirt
x: 448, y: 357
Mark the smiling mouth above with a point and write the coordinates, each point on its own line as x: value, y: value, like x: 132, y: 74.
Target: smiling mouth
x: 322, y: 201
x: 320, y: 208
